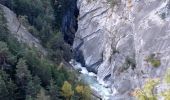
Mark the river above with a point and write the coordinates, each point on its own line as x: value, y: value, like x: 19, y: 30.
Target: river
x: 91, y: 79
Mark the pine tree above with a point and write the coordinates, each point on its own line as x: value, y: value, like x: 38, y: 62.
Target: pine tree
x: 33, y: 87
x: 11, y: 89
x: 23, y: 77
x: 42, y: 96
x: 28, y: 97
x: 3, y: 90
x: 31, y: 90
x: 53, y: 91
x: 37, y: 83
x: 10, y: 86
x: 4, y: 52
x: 3, y: 49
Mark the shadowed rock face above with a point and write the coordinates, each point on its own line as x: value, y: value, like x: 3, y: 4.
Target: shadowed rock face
x: 115, y: 41
x: 69, y: 21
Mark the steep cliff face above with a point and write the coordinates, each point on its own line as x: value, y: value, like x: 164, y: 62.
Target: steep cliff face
x: 124, y: 41
x: 69, y: 21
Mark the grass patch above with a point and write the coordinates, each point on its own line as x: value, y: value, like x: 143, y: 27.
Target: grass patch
x: 153, y: 60
x: 146, y: 93
x: 167, y: 76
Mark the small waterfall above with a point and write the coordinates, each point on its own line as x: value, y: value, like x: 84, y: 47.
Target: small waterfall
x: 91, y: 79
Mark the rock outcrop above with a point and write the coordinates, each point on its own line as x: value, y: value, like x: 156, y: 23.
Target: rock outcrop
x: 19, y: 31
x: 117, y: 38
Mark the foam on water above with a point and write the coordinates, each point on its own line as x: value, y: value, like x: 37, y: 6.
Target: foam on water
x: 91, y: 80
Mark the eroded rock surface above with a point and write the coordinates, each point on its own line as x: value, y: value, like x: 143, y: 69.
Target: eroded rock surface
x: 19, y: 31
x: 116, y: 40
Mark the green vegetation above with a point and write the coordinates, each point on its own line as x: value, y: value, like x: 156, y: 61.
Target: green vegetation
x: 39, y: 14
x: 83, y: 92
x: 149, y: 87
x: 112, y: 2
x: 54, y: 91
x: 155, y: 62
x: 67, y: 91
x: 167, y: 77
x: 166, y: 95
x: 42, y: 95
x: 25, y: 73
x: 146, y: 93
x: 3, y: 89
x: 43, y: 18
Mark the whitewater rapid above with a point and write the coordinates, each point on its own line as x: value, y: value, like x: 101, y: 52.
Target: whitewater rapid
x: 91, y: 79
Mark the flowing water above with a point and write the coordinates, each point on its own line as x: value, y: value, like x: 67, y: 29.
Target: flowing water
x: 91, y: 79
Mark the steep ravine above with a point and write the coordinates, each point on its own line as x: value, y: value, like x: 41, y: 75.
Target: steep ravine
x: 115, y: 44
x: 69, y: 21
x: 69, y: 25
x: 69, y: 28
x: 117, y: 39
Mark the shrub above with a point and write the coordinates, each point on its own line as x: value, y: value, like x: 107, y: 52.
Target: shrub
x: 155, y: 62
x: 166, y: 95
x: 84, y: 92
x: 167, y: 76
x: 112, y: 2
x: 146, y: 93
x: 129, y: 62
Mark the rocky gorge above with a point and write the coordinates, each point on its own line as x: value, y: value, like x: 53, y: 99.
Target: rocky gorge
x: 125, y: 42
x: 121, y: 47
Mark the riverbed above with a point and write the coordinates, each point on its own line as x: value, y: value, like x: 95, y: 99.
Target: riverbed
x: 90, y: 78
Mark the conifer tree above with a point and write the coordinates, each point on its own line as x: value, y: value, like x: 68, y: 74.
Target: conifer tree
x: 53, y: 91
x: 11, y: 89
x: 9, y: 85
x: 42, y: 95
x: 3, y: 90
x: 23, y: 77
x: 31, y: 90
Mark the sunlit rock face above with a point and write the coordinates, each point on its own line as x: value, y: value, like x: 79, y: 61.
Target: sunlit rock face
x: 20, y: 31
x: 116, y: 40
